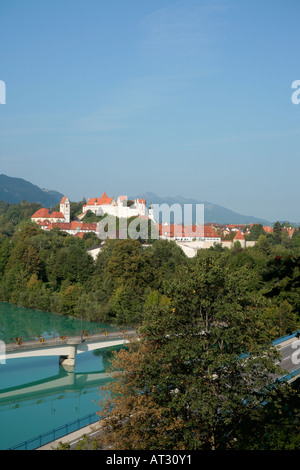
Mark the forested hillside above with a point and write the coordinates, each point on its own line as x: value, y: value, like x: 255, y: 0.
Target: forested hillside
x: 54, y: 272
x: 16, y: 190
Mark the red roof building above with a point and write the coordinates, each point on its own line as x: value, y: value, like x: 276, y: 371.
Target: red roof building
x: 119, y: 207
x: 74, y: 228
x: 209, y: 232
x: 188, y: 232
x: 57, y: 215
x: 104, y: 200
x: 239, y: 236
x: 236, y: 227
x: 289, y: 230
x: 41, y: 214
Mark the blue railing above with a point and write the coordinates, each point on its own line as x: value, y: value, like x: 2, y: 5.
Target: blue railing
x: 57, y: 433
x: 291, y: 375
x: 286, y: 338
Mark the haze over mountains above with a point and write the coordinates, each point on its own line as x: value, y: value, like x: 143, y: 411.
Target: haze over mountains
x: 15, y: 190
x: 212, y: 212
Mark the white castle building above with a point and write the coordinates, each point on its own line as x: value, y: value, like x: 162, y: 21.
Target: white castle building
x: 122, y: 207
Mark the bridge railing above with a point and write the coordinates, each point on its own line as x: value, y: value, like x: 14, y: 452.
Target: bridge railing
x: 283, y: 339
x: 74, y: 338
x: 291, y: 376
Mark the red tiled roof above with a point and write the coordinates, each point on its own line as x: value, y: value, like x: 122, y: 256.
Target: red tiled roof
x: 103, y: 200
x: 41, y: 213
x: 210, y: 232
x: 239, y: 236
x: 88, y: 226
x: 290, y: 231
x: 236, y: 226
x: 79, y: 235
x: 80, y: 226
x: 57, y: 215
x: 63, y: 200
x: 187, y: 231
x: 93, y: 201
x: 44, y: 223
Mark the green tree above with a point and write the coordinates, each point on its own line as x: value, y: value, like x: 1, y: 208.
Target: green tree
x: 124, y: 306
x: 201, y: 368
x: 281, y: 278
x: 70, y: 298
x: 90, y: 217
x: 255, y: 231
x: 277, y: 232
x: 5, y: 251
x: 264, y: 244
x: 285, y: 319
x: 296, y: 238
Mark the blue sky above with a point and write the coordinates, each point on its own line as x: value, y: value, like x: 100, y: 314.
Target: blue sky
x: 189, y: 97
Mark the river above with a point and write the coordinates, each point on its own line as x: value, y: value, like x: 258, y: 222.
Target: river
x: 36, y: 394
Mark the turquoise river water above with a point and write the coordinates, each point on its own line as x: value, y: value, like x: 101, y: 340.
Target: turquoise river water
x: 36, y: 394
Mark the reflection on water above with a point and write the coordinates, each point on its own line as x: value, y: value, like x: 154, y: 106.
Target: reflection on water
x: 27, y: 324
x: 36, y: 394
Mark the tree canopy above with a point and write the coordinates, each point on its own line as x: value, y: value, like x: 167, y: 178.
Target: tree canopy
x: 201, y: 371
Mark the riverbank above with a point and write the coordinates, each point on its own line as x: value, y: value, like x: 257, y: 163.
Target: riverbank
x: 73, y: 438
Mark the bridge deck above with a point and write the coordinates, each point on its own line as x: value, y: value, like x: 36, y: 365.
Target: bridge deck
x: 68, y: 340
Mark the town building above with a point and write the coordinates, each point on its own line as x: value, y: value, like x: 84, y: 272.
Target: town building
x: 188, y: 233
x: 239, y: 237
x: 74, y: 228
x: 65, y: 208
x: 122, y: 207
x: 43, y: 216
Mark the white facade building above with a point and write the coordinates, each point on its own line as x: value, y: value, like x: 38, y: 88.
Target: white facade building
x: 122, y: 207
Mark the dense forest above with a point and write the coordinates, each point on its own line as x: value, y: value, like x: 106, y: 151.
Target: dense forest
x: 54, y: 272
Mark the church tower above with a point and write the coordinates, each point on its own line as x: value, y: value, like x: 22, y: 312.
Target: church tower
x: 65, y: 208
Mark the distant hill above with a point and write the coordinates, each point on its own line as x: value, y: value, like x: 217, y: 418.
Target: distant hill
x: 212, y: 212
x: 16, y: 190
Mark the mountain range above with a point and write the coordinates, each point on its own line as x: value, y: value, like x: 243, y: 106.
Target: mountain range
x: 213, y: 213
x: 15, y: 190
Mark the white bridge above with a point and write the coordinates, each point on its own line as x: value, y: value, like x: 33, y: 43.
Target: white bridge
x: 67, y: 348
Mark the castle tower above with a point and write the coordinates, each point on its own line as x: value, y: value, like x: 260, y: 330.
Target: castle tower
x: 65, y: 208
x: 240, y: 238
x: 151, y: 213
